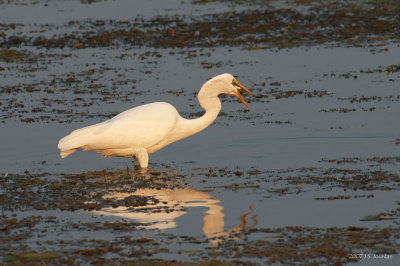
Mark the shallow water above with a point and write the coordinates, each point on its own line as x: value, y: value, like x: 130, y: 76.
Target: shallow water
x: 319, y: 148
x: 254, y: 138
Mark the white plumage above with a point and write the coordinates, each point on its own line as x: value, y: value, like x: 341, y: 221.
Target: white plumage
x: 147, y: 128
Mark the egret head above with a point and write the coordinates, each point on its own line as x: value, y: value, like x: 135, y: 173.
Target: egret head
x: 227, y: 84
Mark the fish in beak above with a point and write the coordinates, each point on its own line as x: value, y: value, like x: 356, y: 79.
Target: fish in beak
x: 240, y: 87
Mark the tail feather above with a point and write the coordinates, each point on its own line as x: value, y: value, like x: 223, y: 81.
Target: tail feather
x: 64, y: 154
x: 76, y: 139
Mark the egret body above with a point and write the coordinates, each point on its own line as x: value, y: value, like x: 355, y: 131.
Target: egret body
x: 145, y: 129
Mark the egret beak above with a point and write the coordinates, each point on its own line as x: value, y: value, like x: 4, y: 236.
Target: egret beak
x: 241, y: 99
x: 241, y: 87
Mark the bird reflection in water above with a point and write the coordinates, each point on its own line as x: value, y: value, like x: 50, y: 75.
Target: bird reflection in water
x: 170, y: 204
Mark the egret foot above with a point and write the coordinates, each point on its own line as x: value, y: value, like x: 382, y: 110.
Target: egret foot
x: 143, y: 173
x: 140, y: 172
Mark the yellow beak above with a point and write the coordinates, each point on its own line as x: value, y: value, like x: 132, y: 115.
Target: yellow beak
x: 241, y: 87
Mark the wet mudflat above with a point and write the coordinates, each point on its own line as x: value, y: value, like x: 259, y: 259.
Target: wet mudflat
x: 309, y: 175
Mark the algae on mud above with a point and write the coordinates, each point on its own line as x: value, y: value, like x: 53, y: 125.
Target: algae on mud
x: 29, y: 238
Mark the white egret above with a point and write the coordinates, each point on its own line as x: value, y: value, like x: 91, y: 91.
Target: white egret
x: 145, y: 129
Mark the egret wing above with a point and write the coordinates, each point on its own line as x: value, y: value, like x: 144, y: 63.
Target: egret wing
x: 140, y: 127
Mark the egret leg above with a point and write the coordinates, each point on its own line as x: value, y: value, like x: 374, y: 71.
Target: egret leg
x: 143, y: 157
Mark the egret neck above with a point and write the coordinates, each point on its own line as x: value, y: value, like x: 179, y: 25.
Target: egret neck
x: 210, y: 102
